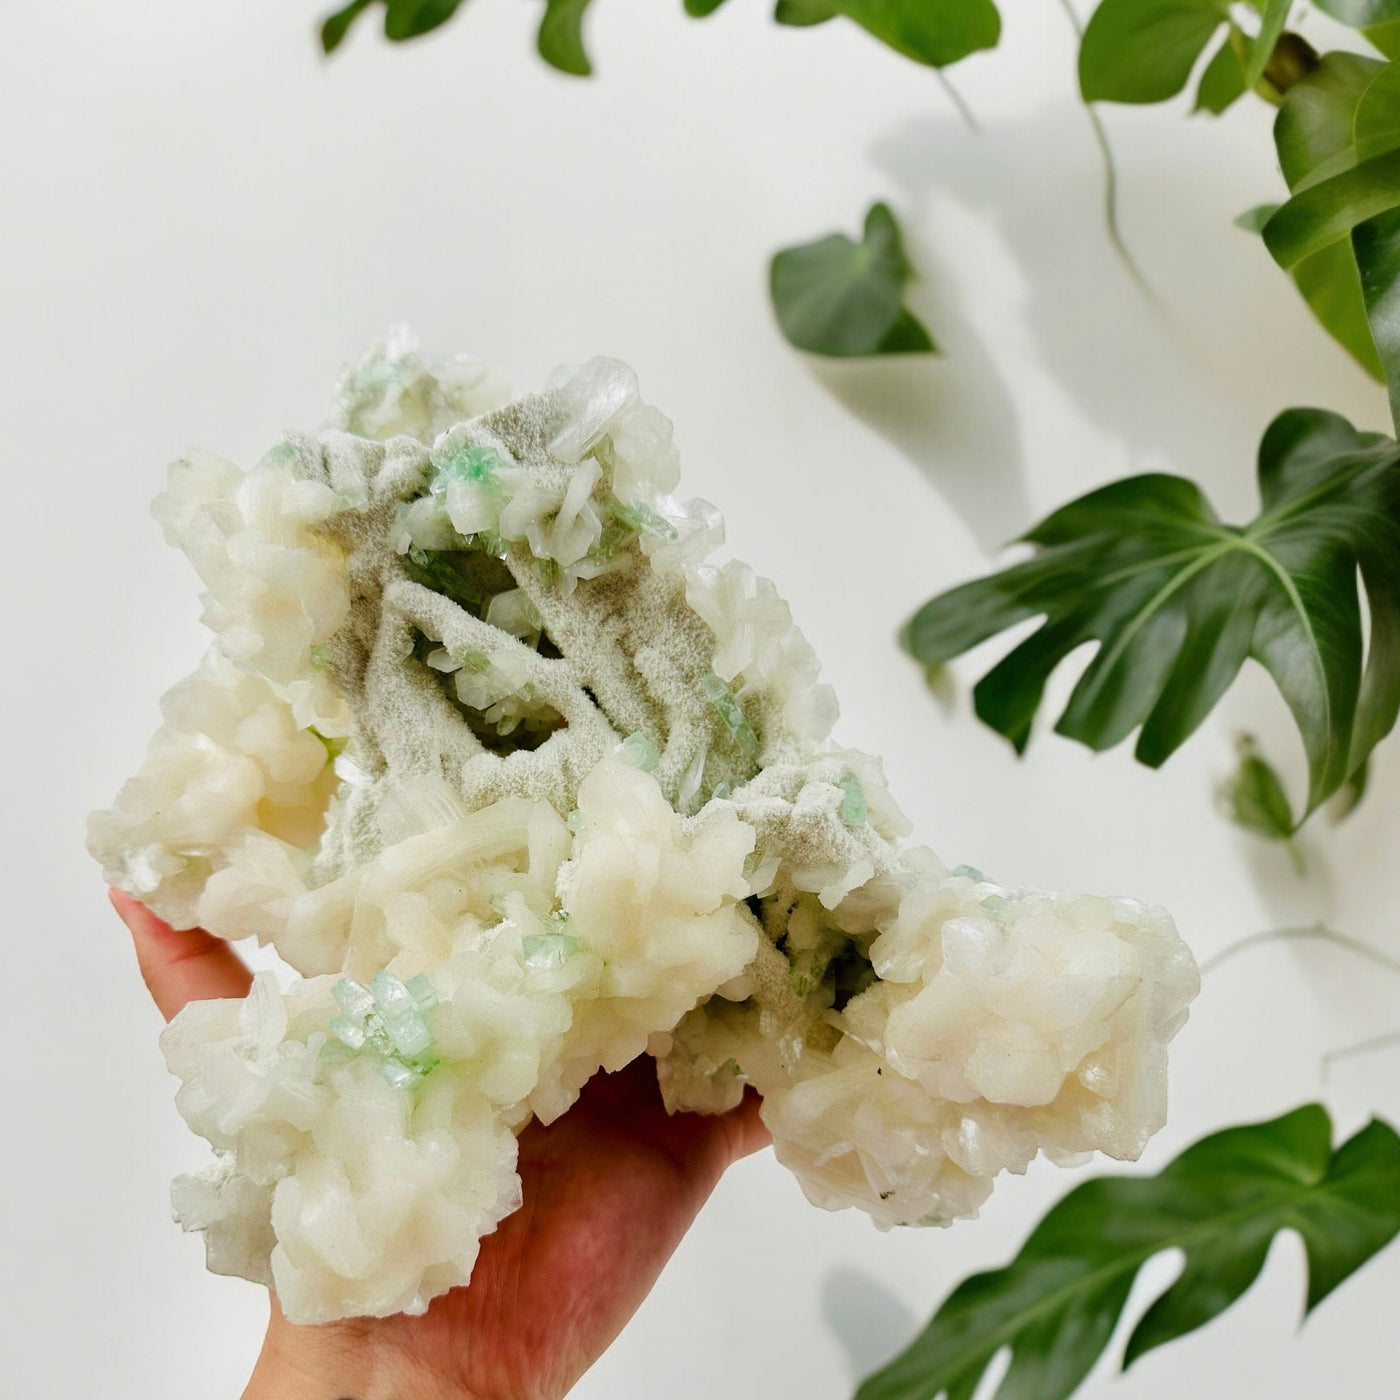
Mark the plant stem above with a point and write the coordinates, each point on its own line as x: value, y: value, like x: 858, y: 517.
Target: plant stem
x: 959, y: 101
x: 1359, y: 1047
x: 1110, y: 182
x: 1318, y: 932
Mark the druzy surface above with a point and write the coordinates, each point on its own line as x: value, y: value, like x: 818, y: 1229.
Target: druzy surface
x: 523, y: 785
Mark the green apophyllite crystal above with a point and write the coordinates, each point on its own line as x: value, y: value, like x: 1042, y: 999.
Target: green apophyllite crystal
x: 641, y: 517
x: 387, y: 1017
x: 993, y: 905
x: 548, y: 949
x: 465, y: 463
x: 640, y: 752
x: 722, y: 698
x: 854, y: 810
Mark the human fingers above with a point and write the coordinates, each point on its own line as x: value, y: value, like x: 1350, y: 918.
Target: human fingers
x: 745, y: 1130
x: 180, y: 965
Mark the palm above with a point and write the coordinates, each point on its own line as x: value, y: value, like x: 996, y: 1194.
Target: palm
x: 609, y: 1190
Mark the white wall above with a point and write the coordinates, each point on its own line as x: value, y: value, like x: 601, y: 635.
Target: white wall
x: 199, y: 221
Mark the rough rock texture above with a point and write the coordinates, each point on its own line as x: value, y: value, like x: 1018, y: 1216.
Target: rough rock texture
x: 523, y: 788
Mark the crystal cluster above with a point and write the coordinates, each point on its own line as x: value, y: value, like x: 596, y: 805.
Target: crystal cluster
x: 523, y: 786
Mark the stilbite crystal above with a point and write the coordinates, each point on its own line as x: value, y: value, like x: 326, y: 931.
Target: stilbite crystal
x: 523, y: 788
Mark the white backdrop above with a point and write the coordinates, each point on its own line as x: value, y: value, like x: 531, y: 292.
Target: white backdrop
x: 200, y: 221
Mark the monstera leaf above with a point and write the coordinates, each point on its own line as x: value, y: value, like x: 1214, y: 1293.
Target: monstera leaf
x: 1338, y: 141
x: 844, y: 299
x: 1221, y: 1203
x: 1176, y: 602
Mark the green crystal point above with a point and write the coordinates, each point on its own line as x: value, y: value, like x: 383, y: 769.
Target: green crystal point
x: 855, y: 811
x: 730, y: 711
x: 640, y: 752
x: 640, y: 517
x: 465, y: 462
x: 992, y: 905
x: 547, y: 950
x: 387, y: 1018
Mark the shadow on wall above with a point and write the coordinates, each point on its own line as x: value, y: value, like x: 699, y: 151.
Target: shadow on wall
x: 867, y: 1319
x: 952, y: 415
x: 1194, y: 381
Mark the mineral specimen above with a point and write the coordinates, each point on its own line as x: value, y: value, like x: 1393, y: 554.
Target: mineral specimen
x: 523, y: 788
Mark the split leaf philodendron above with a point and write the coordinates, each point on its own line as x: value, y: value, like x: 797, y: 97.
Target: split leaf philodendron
x: 844, y: 299
x: 934, y: 34
x: 1178, y: 601
x: 1338, y: 236
x: 1055, y: 1306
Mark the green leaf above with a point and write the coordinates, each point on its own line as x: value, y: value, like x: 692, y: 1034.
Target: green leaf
x: 403, y: 19
x: 336, y: 26
x: 1272, y: 17
x: 936, y: 32
x: 1254, y: 797
x: 1313, y: 132
x: 407, y: 19
x: 1338, y: 139
x: 1361, y: 14
x: 1177, y: 602
x: 1221, y: 1203
x: 907, y: 336
x: 1315, y: 135
x: 804, y: 13
x: 1144, y: 50
x: 1222, y: 83
x: 1329, y: 210
x: 1384, y: 38
x: 1253, y: 220
x: 1376, y: 123
x: 1375, y: 246
x: 560, y: 40
x: 1331, y: 285
x: 844, y: 299
x: 1350, y: 796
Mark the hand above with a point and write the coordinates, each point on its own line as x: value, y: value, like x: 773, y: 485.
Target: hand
x: 609, y: 1188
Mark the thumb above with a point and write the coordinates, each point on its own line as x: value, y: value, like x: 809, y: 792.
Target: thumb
x: 180, y: 965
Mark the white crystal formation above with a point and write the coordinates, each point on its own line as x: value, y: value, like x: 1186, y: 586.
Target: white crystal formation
x: 523, y: 786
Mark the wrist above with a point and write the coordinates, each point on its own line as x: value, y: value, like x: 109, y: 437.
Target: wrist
x: 339, y: 1361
